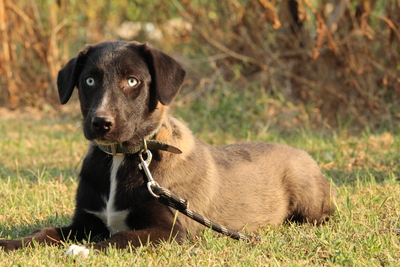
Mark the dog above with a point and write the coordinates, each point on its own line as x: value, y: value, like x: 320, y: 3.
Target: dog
x: 124, y: 91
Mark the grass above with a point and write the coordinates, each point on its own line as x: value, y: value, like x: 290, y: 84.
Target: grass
x: 40, y: 159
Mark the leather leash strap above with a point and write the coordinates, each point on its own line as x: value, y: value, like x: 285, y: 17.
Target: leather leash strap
x: 168, y: 198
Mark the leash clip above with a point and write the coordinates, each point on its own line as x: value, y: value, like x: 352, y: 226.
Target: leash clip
x: 144, y: 165
x: 181, y: 204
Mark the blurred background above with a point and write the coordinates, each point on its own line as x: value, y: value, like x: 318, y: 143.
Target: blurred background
x: 326, y: 64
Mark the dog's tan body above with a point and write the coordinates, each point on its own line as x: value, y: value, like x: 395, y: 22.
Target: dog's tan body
x: 244, y: 185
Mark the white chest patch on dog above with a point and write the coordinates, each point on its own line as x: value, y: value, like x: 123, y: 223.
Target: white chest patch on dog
x: 114, y: 219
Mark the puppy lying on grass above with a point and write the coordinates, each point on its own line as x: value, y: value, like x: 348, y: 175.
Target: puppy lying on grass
x: 124, y: 91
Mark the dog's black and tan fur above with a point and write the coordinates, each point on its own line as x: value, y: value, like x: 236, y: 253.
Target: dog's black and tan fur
x: 124, y: 90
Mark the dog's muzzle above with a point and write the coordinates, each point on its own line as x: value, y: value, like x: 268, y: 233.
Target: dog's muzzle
x: 102, y: 124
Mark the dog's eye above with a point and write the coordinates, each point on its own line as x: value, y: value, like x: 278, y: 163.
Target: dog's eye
x: 132, y: 82
x: 90, y: 81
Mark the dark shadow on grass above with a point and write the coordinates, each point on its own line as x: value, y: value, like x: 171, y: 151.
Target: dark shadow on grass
x: 365, y: 176
x: 22, y: 230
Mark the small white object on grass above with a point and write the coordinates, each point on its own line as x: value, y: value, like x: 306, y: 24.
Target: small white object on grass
x: 75, y: 250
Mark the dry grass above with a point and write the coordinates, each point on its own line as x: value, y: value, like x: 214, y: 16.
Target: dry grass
x: 337, y: 59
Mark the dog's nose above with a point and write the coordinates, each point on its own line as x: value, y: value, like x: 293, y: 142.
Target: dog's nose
x: 102, y: 124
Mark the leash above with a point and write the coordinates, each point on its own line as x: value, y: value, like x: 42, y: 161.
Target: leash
x: 168, y: 198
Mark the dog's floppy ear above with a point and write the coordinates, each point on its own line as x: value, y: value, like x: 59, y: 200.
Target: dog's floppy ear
x: 68, y: 76
x: 166, y: 74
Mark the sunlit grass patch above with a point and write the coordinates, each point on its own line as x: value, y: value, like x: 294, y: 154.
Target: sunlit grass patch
x: 40, y: 161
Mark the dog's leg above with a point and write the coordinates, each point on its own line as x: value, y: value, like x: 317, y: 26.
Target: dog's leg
x: 77, y: 231
x: 124, y: 239
x: 44, y: 235
x: 133, y: 238
x: 49, y: 236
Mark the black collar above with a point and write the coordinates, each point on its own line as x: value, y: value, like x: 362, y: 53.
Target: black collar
x: 127, y: 149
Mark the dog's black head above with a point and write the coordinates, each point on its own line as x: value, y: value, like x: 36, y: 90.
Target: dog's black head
x: 121, y: 85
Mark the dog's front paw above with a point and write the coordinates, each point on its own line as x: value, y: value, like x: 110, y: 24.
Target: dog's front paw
x: 9, y: 245
x: 75, y: 250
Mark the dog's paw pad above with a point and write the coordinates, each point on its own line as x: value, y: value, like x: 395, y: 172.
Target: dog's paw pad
x: 75, y: 250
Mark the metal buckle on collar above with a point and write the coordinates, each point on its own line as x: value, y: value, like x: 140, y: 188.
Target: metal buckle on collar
x: 144, y: 165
